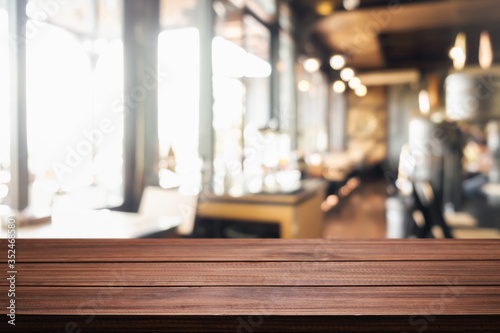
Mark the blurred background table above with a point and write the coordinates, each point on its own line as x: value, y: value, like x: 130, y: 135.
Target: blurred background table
x: 298, y: 213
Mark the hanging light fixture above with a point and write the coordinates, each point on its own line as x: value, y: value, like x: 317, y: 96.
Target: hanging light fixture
x: 337, y: 61
x: 312, y: 65
x: 361, y: 91
x: 339, y: 87
x: 304, y: 85
x: 324, y: 8
x: 485, y: 50
x: 346, y: 74
x: 354, y: 83
x: 351, y: 4
x: 458, y: 53
x: 423, y: 102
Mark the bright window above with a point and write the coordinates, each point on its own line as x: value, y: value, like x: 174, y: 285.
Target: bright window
x: 4, y: 105
x: 312, y: 112
x: 178, y: 105
x: 74, y: 112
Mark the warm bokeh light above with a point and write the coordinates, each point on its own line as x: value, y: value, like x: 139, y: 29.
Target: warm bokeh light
x: 354, y: 83
x: 353, y: 183
x: 311, y: 65
x: 337, y: 62
x: 459, y: 52
x: 351, y: 4
x: 423, y: 102
x: 324, y: 8
x: 455, y: 52
x: 315, y: 159
x: 339, y: 87
x: 304, y: 85
x: 346, y: 74
x: 485, y: 50
x: 332, y: 200
x: 361, y: 91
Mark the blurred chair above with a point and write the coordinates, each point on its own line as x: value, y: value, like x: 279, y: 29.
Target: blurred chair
x: 462, y: 225
x: 158, y: 201
x: 426, y: 202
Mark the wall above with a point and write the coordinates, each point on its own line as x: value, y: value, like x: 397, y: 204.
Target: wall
x: 402, y: 101
x: 367, y: 126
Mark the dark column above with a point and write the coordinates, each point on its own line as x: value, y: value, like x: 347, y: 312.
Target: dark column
x: 337, y: 115
x: 275, y: 76
x: 206, y: 18
x: 19, y: 148
x: 140, y: 41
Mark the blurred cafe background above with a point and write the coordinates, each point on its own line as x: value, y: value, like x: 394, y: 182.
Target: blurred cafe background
x: 250, y: 118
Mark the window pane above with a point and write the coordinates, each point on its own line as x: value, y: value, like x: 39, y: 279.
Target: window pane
x: 178, y: 102
x: 4, y: 105
x: 288, y: 116
x: 258, y: 73
x: 229, y: 59
x: 74, y: 118
x: 312, y: 108
x: 177, y: 14
x: 83, y: 17
x: 179, y: 96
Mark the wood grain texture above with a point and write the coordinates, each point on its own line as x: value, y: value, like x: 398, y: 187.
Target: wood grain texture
x: 384, y: 273
x: 199, y: 250
x: 290, y: 301
x: 282, y: 285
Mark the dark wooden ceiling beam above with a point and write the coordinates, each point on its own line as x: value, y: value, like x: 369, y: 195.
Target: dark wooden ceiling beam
x: 356, y: 33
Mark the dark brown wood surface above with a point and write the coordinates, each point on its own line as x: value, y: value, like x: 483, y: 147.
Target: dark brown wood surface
x: 284, y: 301
x: 360, y: 273
x: 257, y: 285
x: 197, y: 250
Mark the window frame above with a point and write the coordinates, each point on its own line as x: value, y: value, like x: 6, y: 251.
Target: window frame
x: 19, y: 186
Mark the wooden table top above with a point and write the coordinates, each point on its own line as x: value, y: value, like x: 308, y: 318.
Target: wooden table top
x: 400, y: 284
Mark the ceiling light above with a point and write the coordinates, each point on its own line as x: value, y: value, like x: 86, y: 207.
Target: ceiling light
x: 485, y: 50
x: 311, y: 65
x: 304, y: 86
x: 455, y: 53
x: 361, y: 91
x: 354, y: 83
x: 423, y: 102
x: 337, y: 61
x: 339, y: 87
x: 459, y: 52
x: 351, y: 4
x: 346, y: 74
x: 324, y: 8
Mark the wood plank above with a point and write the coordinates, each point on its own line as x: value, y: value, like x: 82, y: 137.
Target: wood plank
x: 260, y: 323
x: 287, y: 301
x: 164, y: 250
x: 397, y: 273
